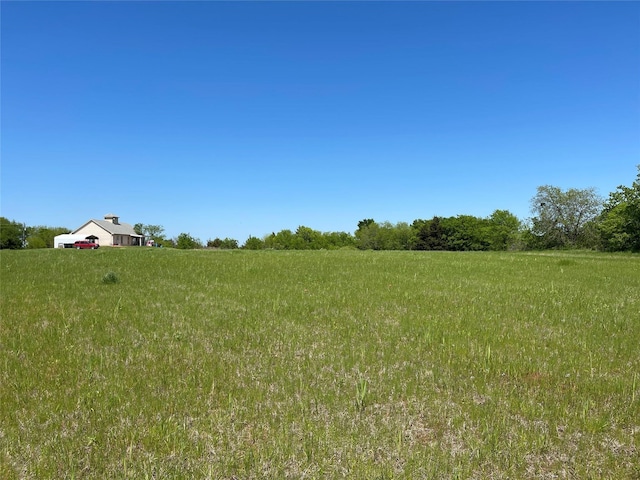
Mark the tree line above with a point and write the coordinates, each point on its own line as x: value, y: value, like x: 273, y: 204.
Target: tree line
x: 572, y: 218
x: 15, y: 235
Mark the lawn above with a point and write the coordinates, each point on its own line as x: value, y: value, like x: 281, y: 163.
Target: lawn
x: 161, y: 363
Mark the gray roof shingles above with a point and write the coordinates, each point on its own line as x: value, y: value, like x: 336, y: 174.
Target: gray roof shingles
x: 116, y: 229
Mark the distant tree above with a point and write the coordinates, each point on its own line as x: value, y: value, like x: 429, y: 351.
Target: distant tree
x: 386, y: 238
x: 11, y: 234
x: 214, y: 243
x: 389, y: 236
x: 561, y: 217
x: 503, y: 230
x: 367, y: 235
x: 417, y: 242
x: 187, y: 242
x: 48, y: 234
x: 619, y: 225
x: 253, y: 243
x: 306, y: 238
x: 139, y: 228
x: 269, y: 241
x: 229, y: 244
x: 405, y: 236
x: 35, y: 242
x: 464, y: 233
x: 283, y: 240
x: 591, y: 237
x: 430, y: 234
x: 309, y: 239
x: 226, y: 244
x: 286, y: 240
x: 167, y: 242
x: 335, y: 240
x: 43, y: 237
x: 154, y: 232
x: 365, y: 223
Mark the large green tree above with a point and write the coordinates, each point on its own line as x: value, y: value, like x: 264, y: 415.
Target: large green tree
x: 336, y: 240
x: 619, y: 224
x: 229, y: 243
x: 283, y: 240
x: 42, y: 237
x: 503, y: 230
x: 226, y: 244
x: 367, y: 235
x: 11, y: 234
x: 430, y: 234
x: 464, y: 233
x: 562, y: 218
x: 153, y: 232
x: 186, y: 242
x: 399, y: 236
x: 308, y: 239
x: 253, y: 243
x: 371, y: 235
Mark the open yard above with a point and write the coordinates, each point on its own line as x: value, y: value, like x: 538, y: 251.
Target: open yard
x: 159, y: 363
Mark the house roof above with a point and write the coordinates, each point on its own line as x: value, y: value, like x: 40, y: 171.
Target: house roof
x: 113, y: 228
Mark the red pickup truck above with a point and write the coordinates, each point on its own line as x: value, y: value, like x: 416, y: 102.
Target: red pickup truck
x: 85, y: 244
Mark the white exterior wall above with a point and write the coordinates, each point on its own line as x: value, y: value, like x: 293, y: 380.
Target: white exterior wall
x: 60, y: 240
x: 104, y: 238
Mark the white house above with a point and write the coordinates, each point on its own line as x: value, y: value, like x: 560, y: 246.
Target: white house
x: 107, y: 232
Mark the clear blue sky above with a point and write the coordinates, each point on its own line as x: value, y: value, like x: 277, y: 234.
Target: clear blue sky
x: 225, y: 119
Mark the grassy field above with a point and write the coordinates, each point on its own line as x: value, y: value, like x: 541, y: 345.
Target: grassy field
x: 160, y: 363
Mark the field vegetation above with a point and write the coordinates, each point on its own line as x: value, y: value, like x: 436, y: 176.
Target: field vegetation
x: 167, y: 363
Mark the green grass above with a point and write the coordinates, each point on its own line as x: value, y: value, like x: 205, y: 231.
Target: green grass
x: 341, y: 364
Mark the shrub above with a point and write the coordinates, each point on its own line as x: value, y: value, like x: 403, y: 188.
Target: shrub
x: 110, y: 278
